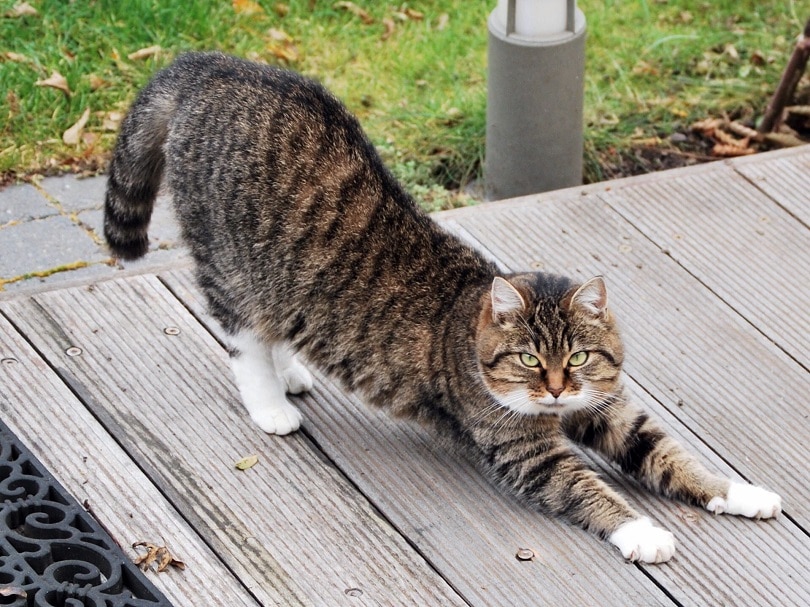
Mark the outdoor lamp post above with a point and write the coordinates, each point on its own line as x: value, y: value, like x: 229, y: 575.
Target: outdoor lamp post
x: 534, y: 97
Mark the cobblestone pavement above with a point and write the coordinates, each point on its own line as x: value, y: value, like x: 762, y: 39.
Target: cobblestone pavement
x: 51, y: 232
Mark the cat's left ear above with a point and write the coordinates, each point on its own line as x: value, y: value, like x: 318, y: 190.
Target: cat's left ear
x: 592, y: 296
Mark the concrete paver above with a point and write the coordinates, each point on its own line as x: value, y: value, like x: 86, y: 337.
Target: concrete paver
x: 52, y: 232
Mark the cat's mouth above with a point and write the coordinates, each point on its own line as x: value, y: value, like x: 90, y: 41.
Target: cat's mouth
x: 525, y: 403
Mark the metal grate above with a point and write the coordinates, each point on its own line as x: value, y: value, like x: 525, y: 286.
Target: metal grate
x: 52, y: 552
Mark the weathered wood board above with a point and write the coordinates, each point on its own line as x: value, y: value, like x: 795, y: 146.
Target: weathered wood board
x: 72, y: 444
x: 291, y: 528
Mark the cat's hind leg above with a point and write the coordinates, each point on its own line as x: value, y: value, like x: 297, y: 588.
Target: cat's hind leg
x: 262, y: 384
x: 297, y: 379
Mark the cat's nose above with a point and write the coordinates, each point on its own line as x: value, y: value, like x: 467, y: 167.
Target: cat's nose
x: 555, y: 392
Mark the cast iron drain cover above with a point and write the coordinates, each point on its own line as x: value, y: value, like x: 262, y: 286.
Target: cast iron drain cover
x: 52, y: 552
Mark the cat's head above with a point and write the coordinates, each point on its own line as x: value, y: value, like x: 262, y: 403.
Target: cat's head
x: 547, y: 345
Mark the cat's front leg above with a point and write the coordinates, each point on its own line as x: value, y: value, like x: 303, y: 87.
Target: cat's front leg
x: 627, y: 436
x: 551, y: 476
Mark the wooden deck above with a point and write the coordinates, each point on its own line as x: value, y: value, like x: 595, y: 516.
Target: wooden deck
x: 709, y: 272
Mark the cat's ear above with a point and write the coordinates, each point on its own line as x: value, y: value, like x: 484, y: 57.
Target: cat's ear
x: 506, y: 299
x: 592, y: 296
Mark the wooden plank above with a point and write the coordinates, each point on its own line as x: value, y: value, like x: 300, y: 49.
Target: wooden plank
x: 291, y: 525
x: 464, y: 526
x: 88, y: 462
x: 783, y: 175
x: 703, y: 363
x: 737, y: 241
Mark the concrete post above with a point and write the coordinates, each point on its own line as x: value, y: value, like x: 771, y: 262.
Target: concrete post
x: 534, y: 108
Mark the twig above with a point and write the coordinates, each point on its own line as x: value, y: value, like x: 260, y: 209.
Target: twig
x: 787, y: 85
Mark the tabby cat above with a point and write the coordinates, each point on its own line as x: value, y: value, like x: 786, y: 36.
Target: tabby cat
x: 305, y: 243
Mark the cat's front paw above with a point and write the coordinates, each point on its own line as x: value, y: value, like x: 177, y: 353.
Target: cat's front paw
x: 640, y: 540
x: 747, y: 500
x: 278, y: 419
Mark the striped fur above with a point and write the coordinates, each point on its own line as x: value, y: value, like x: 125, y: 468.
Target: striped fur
x: 301, y: 235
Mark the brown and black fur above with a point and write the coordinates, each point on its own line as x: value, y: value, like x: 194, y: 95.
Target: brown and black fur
x: 300, y: 233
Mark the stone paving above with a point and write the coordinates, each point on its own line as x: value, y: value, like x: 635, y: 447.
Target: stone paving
x: 51, y: 232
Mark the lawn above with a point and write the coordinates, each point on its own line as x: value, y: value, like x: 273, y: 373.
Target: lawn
x: 414, y: 73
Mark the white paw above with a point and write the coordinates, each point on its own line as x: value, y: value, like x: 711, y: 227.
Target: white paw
x: 747, y: 500
x: 640, y: 540
x: 279, y: 419
x: 297, y: 379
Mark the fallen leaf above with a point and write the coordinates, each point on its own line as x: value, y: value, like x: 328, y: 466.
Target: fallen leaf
x: 73, y: 135
x: 112, y: 121
x: 16, y: 57
x: 729, y: 151
x: 413, y: 14
x: 247, y: 7
x: 389, y: 26
x: 97, y: 82
x: 56, y: 81
x: 90, y: 139
x: 144, y: 53
x: 356, y: 11
x: 285, y: 51
x: 153, y: 553
x: 444, y: 18
x: 13, y: 591
x: 281, y: 9
x: 757, y: 58
x: 247, y: 462
x: 278, y: 35
x: 22, y: 9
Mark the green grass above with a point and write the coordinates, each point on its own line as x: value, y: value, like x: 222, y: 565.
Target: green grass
x: 653, y: 67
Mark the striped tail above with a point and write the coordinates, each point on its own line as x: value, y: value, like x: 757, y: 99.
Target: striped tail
x: 135, y: 173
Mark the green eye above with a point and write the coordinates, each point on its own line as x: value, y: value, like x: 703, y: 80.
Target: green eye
x: 577, y: 359
x: 529, y: 360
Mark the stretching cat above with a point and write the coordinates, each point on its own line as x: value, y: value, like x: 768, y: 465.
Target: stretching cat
x: 304, y: 242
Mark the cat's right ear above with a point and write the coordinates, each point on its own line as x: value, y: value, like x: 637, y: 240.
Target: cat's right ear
x: 506, y: 300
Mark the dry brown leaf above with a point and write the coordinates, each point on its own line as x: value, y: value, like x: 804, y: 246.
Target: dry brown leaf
x: 17, y: 57
x: 160, y: 554
x: 444, y: 19
x: 743, y: 131
x: 278, y: 35
x: 707, y: 125
x: 97, y: 82
x: 144, y: 53
x: 281, y: 9
x: 247, y: 462
x: 56, y: 81
x: 389, y: 26
x: 73, y: 135
x: 724, y: 138
x: 643, y: 68
x: 112, y: 120
x: 247, y: 7
x: 723, y: 150
x: 285, y: 51
x: 13, y: 591
x: 356, y: 11
x: 415, y: 15
x: 22, y: 9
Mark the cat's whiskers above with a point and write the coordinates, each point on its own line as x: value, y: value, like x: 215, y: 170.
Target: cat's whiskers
x: 599, y: 401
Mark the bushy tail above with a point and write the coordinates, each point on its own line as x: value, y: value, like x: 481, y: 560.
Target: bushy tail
x: 136, y: 170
